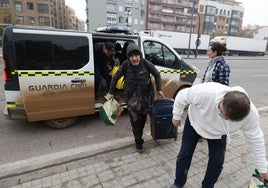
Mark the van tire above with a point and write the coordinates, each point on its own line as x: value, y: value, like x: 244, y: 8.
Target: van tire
x: 61, y: 123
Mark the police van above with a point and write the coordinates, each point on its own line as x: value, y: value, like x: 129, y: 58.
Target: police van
x: 49, y: 74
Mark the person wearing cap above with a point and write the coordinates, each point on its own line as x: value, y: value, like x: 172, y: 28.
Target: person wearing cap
x: 215, y: 111
x: 104, y: 61
x: 137, y: 73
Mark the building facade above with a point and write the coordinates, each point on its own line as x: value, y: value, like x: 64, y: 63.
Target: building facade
x: 124, y: 13
x: 221, y: 17
x: 211, y: 17
x: 41, y: 13
x: 216, y: 17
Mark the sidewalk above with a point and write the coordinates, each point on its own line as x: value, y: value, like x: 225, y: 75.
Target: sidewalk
x: 155, y: 168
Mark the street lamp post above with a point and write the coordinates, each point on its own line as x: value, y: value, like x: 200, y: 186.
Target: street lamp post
x: 190, y: 35
x: 198, y: 41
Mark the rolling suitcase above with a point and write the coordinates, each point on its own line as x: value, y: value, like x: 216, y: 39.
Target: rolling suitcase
x: 161, y: 120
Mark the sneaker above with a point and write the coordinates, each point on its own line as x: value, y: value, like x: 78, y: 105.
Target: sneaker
x: 139, y: 148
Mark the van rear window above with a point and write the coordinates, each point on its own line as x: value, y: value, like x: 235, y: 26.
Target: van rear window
x: 51, y: 52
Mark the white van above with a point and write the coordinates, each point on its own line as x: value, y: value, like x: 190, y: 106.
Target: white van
x: 49, y: 74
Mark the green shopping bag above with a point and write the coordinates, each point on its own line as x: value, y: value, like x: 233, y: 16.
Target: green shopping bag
x: 110, y: 111
x: 255, y: 182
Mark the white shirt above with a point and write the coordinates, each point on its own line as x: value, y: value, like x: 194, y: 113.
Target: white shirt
x: 204, y: 116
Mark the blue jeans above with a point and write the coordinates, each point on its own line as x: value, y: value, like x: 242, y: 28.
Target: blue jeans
x: 216, y: 147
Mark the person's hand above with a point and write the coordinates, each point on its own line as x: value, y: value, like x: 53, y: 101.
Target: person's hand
x: 160, y: 94
x: 115, y: 60
x: 263, y: 176
x: 109, y: 96
x: 176, y: 123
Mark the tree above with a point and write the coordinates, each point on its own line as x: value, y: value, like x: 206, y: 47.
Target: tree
x: 246, y: 32
x: 6, y: 16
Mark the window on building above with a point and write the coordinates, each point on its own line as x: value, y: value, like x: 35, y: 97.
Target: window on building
x: 111, y: 9
x: 43, y: 8
x: 30, y: 6
x: 120, y: 8
x: 20, y: 20
x: 121, y: 19
x: 111, y: 19
x: 44, y: 21
x: 18, y: 6
x: 142, y: 12
x: 5, y: 3
x: 128, y: 10
x: 209, y: 24
x: 31, y: 20
x: 211, y: 10
x: 136, y: 11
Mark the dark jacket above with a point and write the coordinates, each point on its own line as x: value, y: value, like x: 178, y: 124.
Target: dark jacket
x: 99, y: 57
x: 135, y: 75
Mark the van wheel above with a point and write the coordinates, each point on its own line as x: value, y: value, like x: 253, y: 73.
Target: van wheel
x: 61, y: 123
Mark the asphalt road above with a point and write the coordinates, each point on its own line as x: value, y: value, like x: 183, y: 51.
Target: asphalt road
x: 21, y: 140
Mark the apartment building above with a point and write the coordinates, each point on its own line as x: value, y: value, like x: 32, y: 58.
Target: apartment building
x: 212, y: 17
x: 124, y: 13
x: 221, y: 17
x: 41, y: 13
x: 216, y: 17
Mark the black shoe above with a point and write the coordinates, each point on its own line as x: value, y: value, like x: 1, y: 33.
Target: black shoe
x: 139, y: 148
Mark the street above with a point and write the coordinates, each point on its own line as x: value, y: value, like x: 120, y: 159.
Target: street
x: 20, y: 140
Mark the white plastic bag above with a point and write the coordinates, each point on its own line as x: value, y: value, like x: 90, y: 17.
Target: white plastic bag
x: 255, y: 182
x: 110, y: 111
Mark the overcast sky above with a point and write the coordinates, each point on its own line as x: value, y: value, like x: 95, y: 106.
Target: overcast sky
x: 256, y: 11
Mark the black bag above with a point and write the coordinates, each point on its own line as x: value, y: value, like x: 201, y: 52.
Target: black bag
x: 142, y: 99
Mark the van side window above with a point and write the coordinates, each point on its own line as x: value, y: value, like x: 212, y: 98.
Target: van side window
x: 160, y: 55
x: 51, y: 52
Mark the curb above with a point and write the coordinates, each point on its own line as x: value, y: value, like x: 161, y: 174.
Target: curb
x: 45, y: 161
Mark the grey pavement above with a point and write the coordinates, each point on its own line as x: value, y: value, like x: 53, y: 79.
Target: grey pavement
x: 115, y: 164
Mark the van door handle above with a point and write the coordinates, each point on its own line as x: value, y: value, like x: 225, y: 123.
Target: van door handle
x: 78, y: 80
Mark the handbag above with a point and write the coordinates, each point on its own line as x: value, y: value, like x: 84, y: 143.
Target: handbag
x: 142, y: 99
x: 110, y: 112
x: 255, y: 182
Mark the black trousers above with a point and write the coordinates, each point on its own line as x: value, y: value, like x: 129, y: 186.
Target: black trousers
x: 137, y: 121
